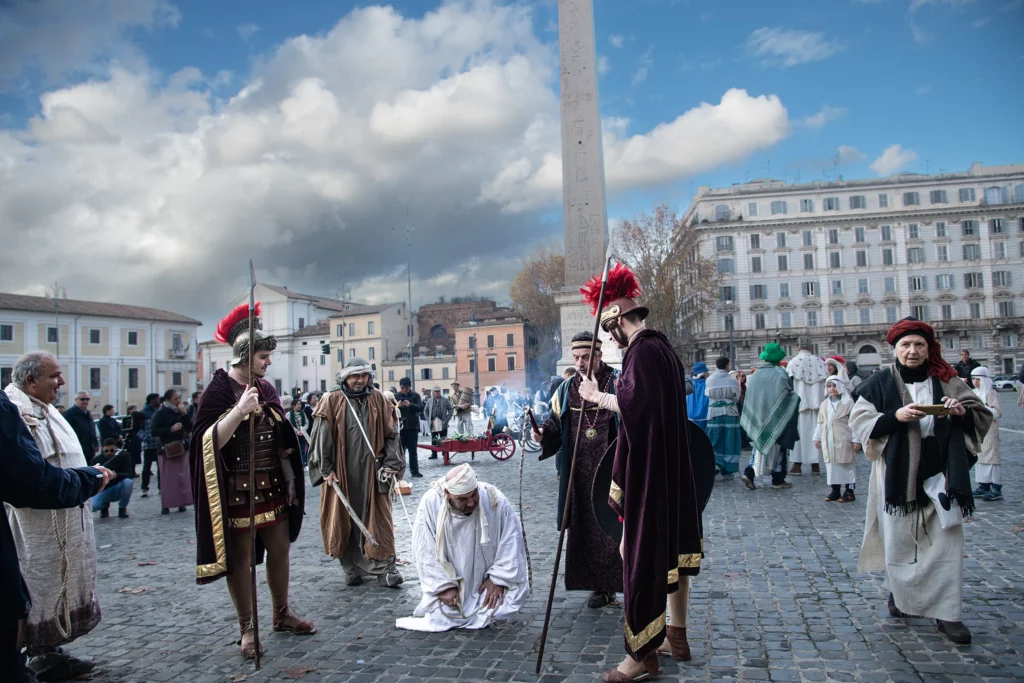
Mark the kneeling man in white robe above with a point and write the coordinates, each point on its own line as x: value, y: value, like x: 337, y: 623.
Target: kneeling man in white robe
x: 470, y: 556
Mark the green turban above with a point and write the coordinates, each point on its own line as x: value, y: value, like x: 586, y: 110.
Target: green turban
x: 773, y: 353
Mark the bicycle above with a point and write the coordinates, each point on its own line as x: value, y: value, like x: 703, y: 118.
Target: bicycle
x: 519, y: 429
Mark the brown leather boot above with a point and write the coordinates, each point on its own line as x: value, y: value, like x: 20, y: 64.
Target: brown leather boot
x: 815, y: 468
x: 676, y: 645
x: 795, y: 469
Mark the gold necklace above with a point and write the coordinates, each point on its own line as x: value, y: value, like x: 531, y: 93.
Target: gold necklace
x: 591, y: 432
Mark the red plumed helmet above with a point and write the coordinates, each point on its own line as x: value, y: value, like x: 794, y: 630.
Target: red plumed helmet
x: 241, y: 312
x: 622, y: 283
x: 619, y: 294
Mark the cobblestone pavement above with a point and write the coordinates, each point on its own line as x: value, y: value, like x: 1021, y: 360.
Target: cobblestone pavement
x: 778, y: 599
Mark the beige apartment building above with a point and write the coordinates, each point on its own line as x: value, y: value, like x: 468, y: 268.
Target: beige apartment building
x: 376, y: 333
x: 117, y: 353
x: 840, y: 262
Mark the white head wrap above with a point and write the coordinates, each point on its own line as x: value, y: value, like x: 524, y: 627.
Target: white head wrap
x: 355, y: 366
x: 844, y: 394
x: 985, y: 376
x: 458, y: 482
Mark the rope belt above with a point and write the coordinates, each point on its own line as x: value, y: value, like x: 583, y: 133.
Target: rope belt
x: 62, y: 545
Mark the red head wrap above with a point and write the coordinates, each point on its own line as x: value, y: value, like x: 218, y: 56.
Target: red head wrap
x: 937, y: 366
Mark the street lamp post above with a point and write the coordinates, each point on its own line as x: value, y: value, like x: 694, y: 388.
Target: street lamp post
x: 476, y: 369
x: 56, y: 293
x: 729, y: 322
x: 408, y: 271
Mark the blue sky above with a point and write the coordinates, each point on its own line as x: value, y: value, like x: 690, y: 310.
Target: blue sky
x: 194, y: 95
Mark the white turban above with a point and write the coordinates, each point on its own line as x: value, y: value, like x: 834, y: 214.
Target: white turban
x: 982, y: 373
x: 461, y: 482
x: 840, y: 384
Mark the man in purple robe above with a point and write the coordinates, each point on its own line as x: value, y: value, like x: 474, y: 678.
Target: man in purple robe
x: 653, y: 487
x: 591, y: 560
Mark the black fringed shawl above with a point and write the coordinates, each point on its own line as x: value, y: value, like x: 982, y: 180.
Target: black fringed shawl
x: 886, y: 393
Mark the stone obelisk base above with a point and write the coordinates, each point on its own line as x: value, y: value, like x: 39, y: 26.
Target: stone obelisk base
x: 577, y: 317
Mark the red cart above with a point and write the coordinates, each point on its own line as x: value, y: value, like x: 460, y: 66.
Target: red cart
x: 501, y: 447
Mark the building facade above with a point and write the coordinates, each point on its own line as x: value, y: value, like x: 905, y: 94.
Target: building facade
x: 433, y: 368
x: 300, y: 324
x: 117, y: 353
x: 374, y: 333
x: 839, y: 262
x: 504, y: 347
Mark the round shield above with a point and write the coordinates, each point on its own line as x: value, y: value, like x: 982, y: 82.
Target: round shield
x: 702, y: 461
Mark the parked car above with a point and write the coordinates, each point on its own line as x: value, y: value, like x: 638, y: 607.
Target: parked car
x: 1006, y: 383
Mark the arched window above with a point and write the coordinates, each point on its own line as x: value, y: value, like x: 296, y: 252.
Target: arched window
x: 868, y: 349
x: 438, y: 332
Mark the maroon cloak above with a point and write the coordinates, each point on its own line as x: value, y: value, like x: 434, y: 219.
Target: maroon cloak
x: 206, y: 462
x: 653, y: 488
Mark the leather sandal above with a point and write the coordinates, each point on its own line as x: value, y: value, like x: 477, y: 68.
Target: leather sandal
x: 299, y: 627
x: 652, y: 670
x: 676, y: 645
x: 248, y: 649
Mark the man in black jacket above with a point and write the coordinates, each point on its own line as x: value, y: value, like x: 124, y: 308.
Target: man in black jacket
x: 109, y: 427
x: 965, y: 366
x: 26, y: 480
x: 410, y: 405
x: 120, y: 487
x: 80, y: 419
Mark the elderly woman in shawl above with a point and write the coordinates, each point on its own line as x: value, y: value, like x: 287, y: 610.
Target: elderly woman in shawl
x: 838, y: 445
x: 697, y: 402
x: 769, y: 419
x: 921, y: 428
x: 988, y: 474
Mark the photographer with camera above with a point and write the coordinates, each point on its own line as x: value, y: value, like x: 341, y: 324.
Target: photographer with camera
x: 121, y: 487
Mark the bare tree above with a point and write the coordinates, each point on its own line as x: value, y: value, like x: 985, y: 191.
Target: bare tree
x: 532, y: 293
x: 679, y: 285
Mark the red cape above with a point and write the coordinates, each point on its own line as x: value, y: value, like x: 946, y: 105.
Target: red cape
x: 653, y: 488
x: 206, y: 463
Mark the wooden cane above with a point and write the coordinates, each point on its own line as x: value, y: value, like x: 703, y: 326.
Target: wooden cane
x: 572, y: 471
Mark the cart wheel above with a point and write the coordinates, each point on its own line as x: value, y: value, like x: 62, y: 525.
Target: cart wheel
x: 502, y: 447
x: 529, y: 445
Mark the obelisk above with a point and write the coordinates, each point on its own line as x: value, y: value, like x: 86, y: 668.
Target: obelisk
x: 584, y: 211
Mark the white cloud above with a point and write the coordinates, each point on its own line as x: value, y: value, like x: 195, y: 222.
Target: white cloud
x: 980, y: 22
x: 921, y: 34
x: 153, y: 190
x: 603, y: 65
x: 788, y: 47
x: 923, y: 89
x: 823, y: 116
x: 703, y: 138
x: 893, y: 159
x: 848, y: 155
x: 616, y: 40
x: 247, y: 31
x: 644, y: 64
x: 58, y: 38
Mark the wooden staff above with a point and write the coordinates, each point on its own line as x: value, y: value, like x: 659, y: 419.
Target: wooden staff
x: 572, y: 469
x: 252, y: 465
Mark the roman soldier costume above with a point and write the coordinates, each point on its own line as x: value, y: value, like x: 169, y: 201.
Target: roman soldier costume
x: 657, y: 486
x: 220, y: 480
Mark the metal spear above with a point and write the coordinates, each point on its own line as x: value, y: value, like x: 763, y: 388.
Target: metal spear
x: 252, y: 464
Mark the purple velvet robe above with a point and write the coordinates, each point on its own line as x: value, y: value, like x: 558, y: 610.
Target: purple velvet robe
x: 653, y: 488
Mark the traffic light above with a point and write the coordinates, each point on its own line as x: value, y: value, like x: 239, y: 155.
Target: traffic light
x: 325, y: 349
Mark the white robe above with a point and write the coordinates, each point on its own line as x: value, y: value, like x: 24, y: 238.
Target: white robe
x: 808, y: 373
x: 923, y: 563
x: 838, y: 473
x: 502, y: 558
x: 38, y: 552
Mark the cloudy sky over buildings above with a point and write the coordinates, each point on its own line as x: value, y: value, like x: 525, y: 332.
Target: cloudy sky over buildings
x: 148, y: 148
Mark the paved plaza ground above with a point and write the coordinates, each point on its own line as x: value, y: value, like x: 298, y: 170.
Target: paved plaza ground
x: 779, y: 599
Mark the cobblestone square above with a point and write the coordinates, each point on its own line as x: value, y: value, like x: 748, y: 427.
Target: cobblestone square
x: 778, y: 599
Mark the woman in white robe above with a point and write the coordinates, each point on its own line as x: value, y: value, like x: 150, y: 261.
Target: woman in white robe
x: 39, y: 548
x: 838, y: 445
x: 487, y: 544
x: 920, y: 488
x: 988, y: 470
